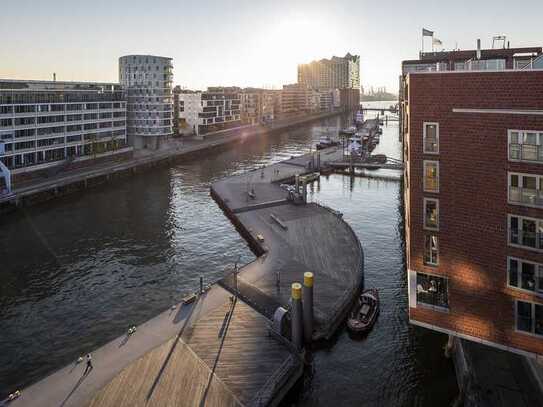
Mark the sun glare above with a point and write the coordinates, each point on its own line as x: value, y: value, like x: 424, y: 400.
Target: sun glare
x: 291, y: 42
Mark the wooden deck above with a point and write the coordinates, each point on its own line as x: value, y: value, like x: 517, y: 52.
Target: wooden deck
x: 297, y: 238
x: 224, y: 358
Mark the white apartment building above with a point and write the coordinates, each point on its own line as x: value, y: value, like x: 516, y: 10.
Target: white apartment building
x: 187, y: 106
x: 46, y: 123
x: 147, y: 80
x: 218, y: 108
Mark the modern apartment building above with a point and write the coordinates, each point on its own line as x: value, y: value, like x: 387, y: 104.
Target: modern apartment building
x: 48, y: 123
x: 334, y: 73
x: 187, y: 109
x: 295, y: 99
x: 148, y: 81
x: 221, y: 109
x: 218, y: 108
x: 257, y: 105
x: 472, y: 123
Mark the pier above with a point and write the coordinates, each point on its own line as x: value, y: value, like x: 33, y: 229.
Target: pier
x: 218, y: 347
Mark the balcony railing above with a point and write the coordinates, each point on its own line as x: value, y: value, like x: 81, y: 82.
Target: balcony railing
x: 525, y: 238
x: 525, y: 152
x: 526, y: 196
x: 431, y: 184
x: 430, y: 146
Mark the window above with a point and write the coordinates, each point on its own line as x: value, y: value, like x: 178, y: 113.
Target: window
x: 431, y: 176
x: 529, y: 317
x: 430, y: 250
x: 526, y: 189
x: 525, y: 232
x: 432, y: 290
x: 525, y: 275
x: 525, y: 145
x: 431, y: 214
x: 431, y: 138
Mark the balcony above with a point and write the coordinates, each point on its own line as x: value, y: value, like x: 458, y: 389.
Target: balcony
x: 526, y: 196
x: 431, y: 184
x: 431, y: 147
x: 528, y: 239
x: 526, y: 152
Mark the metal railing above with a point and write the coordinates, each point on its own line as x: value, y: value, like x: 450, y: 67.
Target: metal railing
x: 431, y: 184
x: 431, y: 146
x: 525, y: 152
x: 526, y: 196
x: 526, y: 238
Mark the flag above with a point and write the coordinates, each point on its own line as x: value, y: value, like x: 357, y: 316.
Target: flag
x: 436, y: 41
x: 427, y: 33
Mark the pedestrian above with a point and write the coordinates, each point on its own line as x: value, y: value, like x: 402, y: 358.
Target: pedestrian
x: 89, y: 366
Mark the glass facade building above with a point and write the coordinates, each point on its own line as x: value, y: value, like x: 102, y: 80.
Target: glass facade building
x: 45, y: 122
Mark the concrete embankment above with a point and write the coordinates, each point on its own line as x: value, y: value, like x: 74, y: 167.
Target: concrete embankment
x: 77, y: 180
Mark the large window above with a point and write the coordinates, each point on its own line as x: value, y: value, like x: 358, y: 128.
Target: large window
x: 525, y: 275
x: 529, y: 317
x: 432, y: 290
x: 431, y: 138
x: 525, y: 232
x: 431, y: 176
x: 431, y: 250
x: 526, y: 189
x: 525, y: 145
x: 431, y: 214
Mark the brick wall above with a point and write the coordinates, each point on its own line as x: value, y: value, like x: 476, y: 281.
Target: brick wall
x: 473, y: 205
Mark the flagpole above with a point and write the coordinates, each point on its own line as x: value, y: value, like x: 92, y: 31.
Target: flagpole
x: 422, y: 44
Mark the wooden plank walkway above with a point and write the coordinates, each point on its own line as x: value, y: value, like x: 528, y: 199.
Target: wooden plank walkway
x: 224, y: 358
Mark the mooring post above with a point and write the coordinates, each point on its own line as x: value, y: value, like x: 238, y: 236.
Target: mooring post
x: 307, y: 295
x: 297, y: 178
x: 201, y: 284
x: 297, y: 327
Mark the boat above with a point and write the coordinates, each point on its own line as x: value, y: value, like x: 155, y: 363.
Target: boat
x: 365, y: 311
x: 326, y: 142
x: 349, y: 131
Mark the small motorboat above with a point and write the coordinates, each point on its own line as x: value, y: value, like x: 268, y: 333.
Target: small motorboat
x: 365, y: 311
x: 326, y: 142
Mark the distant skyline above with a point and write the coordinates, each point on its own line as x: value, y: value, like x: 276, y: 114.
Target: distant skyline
x: 245, y: 43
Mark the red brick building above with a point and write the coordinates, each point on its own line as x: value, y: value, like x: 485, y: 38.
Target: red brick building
x: 473, y: 149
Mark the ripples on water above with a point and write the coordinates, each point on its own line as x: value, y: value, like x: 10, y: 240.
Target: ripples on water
x: 77, y: 272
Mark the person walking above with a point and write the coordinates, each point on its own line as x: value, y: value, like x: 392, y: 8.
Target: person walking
x: 89, y: 366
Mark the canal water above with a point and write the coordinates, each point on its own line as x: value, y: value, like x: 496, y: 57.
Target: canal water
x: 77, y: 272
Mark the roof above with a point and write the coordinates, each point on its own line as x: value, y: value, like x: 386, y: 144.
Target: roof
x: 463, y: 55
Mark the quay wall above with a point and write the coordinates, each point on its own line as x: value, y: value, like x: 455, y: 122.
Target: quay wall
x: 68, y: 183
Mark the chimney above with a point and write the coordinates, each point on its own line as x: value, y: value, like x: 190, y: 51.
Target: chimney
x: 478, y: 48
x: 54, y: 77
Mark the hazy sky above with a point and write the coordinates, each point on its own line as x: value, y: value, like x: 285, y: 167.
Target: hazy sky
x: 245, y: 43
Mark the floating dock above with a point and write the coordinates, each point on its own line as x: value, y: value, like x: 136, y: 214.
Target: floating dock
x: 219, y: 348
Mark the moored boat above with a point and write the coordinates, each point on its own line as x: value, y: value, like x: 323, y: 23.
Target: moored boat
x: 365, y: 311
x: 326, y: 142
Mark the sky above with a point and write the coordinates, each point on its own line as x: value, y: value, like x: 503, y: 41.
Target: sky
x: 245, y: 43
